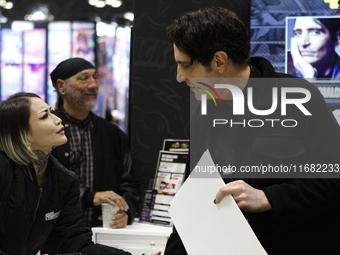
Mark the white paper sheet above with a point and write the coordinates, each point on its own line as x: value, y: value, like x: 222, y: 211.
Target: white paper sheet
x: 206, y: 228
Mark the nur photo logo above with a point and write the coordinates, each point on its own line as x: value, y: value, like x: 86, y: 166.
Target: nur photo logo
x: 279, y: 99
x: 204, y: 96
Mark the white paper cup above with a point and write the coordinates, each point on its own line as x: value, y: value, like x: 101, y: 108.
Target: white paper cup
x: 108, y: 211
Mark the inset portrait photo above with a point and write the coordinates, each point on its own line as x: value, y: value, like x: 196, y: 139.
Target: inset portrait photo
x: 313, y: 47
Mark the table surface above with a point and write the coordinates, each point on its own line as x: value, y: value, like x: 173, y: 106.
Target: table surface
x: 137, y: 228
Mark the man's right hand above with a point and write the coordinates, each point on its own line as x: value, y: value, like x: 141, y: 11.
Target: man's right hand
x: 111, y: 198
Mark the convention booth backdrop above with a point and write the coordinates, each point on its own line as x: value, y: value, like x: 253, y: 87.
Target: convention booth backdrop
x: 159, y: 105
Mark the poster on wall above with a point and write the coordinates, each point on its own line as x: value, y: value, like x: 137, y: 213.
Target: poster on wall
x: 121, y: 75
x: 105, y: 45
x: 34, y: 76
x: 313, y: 53
x: 11, y: 47
x: 34, y: 58
x: 83, y: 44
x: 34, y: 46
x: 313, y: 47
x: 24, y: 63
x: 59, y: 50
x: 10, y: 74
x: 268, y: 25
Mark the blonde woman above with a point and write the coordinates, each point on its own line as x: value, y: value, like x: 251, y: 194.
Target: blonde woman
x: 39, y: 198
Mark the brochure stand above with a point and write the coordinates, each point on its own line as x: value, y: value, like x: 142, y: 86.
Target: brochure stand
x: 169, y: 176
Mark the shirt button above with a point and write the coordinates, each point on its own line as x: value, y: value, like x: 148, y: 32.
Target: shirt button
x: 66, y: 154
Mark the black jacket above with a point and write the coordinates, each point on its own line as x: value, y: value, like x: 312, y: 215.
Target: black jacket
x: 112, y: 164
x: 31, y: 216
x: 305, y: 212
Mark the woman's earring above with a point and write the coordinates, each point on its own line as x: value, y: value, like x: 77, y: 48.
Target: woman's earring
x: 29, y: 145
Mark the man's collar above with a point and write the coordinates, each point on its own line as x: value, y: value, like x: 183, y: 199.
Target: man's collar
x: 81, y: 123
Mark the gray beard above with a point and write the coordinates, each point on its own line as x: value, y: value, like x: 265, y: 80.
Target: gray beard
x: 74, y: 96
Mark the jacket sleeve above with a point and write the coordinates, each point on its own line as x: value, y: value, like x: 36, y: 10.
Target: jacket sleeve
x: 303, y: 198
x: 5, y: 186
x: 71, y: 234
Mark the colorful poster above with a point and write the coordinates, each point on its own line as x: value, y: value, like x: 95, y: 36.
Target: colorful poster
x: 83, y: 44
x: 34, y: 79
x: 35, y: 46
x: 51, y: 93
x: 312, y: 47
x: 59, y: 50
x: 11, y: 80
x: 12, y: 47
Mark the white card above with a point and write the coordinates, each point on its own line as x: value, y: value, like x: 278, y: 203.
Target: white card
x: 207, y: 228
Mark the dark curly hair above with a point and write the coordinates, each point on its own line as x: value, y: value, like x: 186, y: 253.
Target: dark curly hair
x: 200, y: 34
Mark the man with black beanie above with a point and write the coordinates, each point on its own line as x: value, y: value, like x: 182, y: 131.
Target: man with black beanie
x: 97, y: 150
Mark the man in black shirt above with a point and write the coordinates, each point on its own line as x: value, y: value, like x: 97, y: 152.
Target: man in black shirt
x: 288, y: 215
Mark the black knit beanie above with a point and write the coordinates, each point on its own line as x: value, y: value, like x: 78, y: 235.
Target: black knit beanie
x: 68, y: 68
